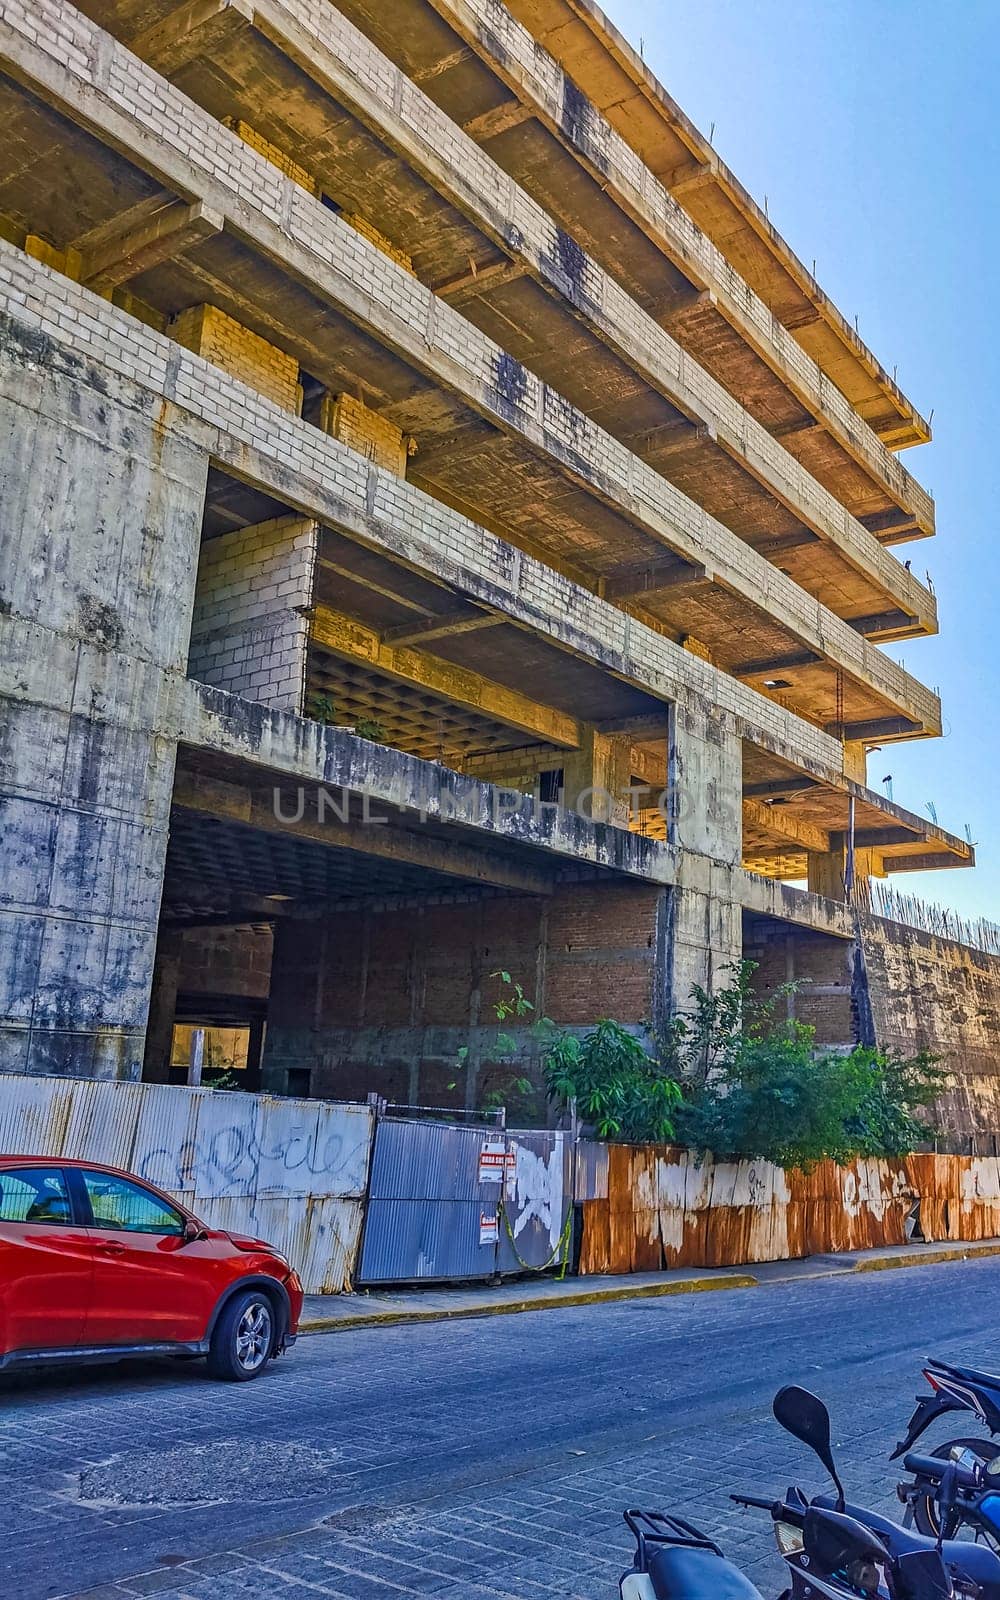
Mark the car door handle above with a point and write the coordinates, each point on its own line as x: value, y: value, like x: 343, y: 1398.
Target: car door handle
x: 111, y: 1249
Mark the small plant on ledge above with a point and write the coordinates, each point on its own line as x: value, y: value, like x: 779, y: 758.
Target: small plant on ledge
x: 320, y: 706
x: 370, y: 728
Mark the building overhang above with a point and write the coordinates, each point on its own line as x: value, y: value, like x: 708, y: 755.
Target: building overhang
x: 600, y: 60
x: 788, y: 815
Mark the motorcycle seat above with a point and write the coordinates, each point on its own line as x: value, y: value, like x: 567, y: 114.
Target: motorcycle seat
x: 968, y: 1374
x: 977, y: 1561
x: 679, y: 1574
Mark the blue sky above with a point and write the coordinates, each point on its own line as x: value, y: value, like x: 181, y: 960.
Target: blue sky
x: 872, y: 128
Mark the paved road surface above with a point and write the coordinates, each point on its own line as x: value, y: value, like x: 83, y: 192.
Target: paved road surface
x: 472, y: 1460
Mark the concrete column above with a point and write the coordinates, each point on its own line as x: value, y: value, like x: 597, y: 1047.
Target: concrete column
x: 704, y: 922
x: 163, y: 1006
x: 103, y: 500
x: 596, y: 778
x: 828, y: 869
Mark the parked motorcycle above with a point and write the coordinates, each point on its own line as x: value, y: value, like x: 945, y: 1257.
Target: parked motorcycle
x: 972, y: 1499
x: 833, y: 1550
x: 952, y: 1389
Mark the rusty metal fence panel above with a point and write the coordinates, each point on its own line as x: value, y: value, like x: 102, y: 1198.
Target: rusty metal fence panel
x: 654, y: 1207
x: 289, y: 1171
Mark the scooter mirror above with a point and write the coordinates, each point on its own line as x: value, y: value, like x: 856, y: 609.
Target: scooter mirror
x: 805, y: 1417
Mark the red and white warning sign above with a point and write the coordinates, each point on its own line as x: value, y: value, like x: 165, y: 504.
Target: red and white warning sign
x: 494, y: 1160
x: 489, y: 1227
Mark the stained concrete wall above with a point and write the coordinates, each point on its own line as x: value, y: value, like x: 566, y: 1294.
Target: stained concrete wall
x: 905, y: 991
x: 98, y: 552
x: 928, y: 993
x: 384, y: 1000
x: 705, y: 786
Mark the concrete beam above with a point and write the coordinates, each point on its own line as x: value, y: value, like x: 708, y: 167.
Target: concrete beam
x: 875, y: 838
x: 771, y: 898
x: 775, y: 819
x: 354, y: 641
x: 762, y: 669
x: 478, y: 280
x: 656, y: 577
x: 884, y: 622
x: 193, y: 29
x: 440, y: 628
x: 283, y: 745
x: 237, y: 803
x: 930, y: 861
x: 880, y: 728
x: 397, y: 596
x: 789, y: 785
x: 490, y: 124
x: 142, y: 238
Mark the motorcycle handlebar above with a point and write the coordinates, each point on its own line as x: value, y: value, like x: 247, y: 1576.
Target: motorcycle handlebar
x: 934, y: 1468
x: 755, y: 1501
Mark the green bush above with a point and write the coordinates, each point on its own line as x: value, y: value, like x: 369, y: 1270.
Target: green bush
x: 735, y: 1079
x: 756, y: 1088
x: 617, y: 1086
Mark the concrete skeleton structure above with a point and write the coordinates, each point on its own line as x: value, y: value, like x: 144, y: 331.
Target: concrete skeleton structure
x: 444, y: 529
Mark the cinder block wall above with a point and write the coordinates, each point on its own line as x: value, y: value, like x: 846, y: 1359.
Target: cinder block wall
x: 384, y: 1000
x: 249, y: 635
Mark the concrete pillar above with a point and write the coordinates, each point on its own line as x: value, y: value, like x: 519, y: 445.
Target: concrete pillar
x: 596, y: 778
x: 163, y: 1006
x: 103, y: 501
x: 828, y: 869
x: 705, y: 786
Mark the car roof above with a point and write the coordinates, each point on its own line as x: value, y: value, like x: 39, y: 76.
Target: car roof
x: 69, y: 1161
x: 11, y: 1163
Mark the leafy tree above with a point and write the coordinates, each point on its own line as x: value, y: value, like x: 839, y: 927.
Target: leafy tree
x: 735, y: 1078
x: 885, y: 1122
x: 615, y: 1083
x: 502, y: 1084
x: 757, y: 1088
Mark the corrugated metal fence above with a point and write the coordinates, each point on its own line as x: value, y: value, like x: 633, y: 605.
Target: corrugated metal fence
x: 452, y: 1201
x: 291, y: 1171
x: 649, y: 1207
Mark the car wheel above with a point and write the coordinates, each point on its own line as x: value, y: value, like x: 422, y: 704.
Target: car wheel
x: 243, y: 1338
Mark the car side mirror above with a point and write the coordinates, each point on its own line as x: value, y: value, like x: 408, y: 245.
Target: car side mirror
x: 192, y: 1231
x: 805, y: 1417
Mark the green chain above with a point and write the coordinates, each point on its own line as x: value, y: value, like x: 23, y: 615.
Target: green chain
x: 562, y: 1244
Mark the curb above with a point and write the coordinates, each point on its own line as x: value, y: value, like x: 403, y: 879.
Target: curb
x: 957, y: 1252
x: 645, y: 1291
x: 504, y: 1308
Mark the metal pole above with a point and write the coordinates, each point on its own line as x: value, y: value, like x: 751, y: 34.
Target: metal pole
x: 849, y: 863
x: 197, y: 1057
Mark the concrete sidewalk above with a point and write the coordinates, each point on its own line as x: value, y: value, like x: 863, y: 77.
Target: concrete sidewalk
x: 332, y: 1313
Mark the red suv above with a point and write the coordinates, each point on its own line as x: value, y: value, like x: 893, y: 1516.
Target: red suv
x: 95, y: 1265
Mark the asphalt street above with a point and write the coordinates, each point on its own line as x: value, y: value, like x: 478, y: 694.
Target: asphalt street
x: 487, y: 1458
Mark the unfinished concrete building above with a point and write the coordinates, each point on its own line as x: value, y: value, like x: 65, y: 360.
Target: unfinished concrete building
x: 445, y: 529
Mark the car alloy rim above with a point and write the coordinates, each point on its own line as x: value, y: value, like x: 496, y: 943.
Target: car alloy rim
x: 253, y: 1336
